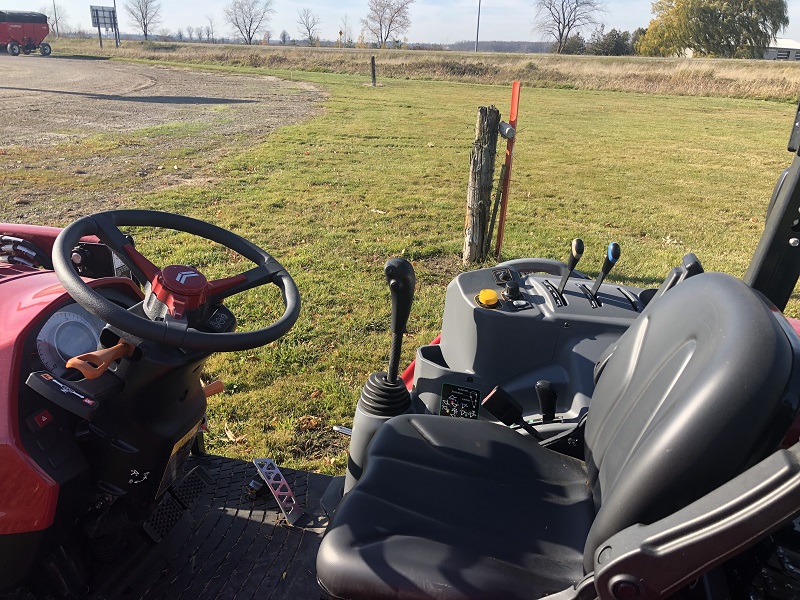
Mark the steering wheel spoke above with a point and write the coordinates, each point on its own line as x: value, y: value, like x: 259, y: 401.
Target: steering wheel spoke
x: 145, y: 268
x: 120, y: 244
x: 220, y: 289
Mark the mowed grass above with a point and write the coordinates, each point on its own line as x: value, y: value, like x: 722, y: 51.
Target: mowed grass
x: 383, y: 172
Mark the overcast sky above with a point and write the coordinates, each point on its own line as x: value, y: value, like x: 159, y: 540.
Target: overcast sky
x: 439, y: 21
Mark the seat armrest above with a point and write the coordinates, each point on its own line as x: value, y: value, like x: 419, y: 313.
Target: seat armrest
x: 664, y: 556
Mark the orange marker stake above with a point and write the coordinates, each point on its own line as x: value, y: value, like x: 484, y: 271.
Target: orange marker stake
x: 512, y: 120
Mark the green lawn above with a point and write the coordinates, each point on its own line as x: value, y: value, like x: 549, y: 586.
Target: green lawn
x: 383, y: 173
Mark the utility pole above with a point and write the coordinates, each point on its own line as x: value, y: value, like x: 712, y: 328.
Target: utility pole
x: 478, y: 30
x: 116, y: 25
x: 55, y: 19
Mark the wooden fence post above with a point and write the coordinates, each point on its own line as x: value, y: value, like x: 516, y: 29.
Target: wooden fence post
x: 372, y: 68
x: 479, y: 191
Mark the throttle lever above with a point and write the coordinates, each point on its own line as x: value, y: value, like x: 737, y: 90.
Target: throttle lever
x: 575, y: 253
x: 93, y: 364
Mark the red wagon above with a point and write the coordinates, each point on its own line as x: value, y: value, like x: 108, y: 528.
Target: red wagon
x: 23, y: 32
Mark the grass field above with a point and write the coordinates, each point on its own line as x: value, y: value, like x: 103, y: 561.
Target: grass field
x: 383, y: 173
x: 756, y: 79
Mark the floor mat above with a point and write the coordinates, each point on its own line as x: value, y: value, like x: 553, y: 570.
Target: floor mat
x: 229, y: 545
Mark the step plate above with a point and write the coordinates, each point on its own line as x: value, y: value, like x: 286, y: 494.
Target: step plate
x: 280, y: 489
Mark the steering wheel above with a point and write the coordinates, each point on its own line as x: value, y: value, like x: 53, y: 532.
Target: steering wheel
x: 174, y: 291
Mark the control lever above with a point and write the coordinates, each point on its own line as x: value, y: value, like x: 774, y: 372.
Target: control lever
x: 402, y: 281
x: 547, y: 400
x: 384, y: 395
x: 508, y: 411
x: 575, y: 253
x: 612, y: 256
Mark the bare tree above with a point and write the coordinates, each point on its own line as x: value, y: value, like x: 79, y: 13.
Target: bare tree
x: 284, y: 37
x: 248, y: 17
x: 387, y: 18
x: 347, y: 31
x: 56, y: 18
x: 562, y: 18
x: 210, y: 29
x: 308, y: 22
x: 179, y: 34
x: 190, y: 33
x: 146, y: 13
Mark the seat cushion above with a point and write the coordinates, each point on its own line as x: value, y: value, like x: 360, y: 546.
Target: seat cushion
x: 455, y: 509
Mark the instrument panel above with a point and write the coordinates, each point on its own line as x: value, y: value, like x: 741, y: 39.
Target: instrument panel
x: 68, y: 332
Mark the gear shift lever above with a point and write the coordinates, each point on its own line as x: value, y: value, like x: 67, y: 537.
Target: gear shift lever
x: 575, y: 253
x: 612, y: 256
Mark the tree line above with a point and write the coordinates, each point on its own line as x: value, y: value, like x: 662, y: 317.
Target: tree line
x: 384, y: 23
x: 743, y: 28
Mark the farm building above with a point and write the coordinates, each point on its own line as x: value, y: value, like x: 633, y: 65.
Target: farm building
x: 783, y: 49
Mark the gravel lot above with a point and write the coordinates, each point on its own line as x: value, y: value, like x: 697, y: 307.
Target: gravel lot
x: 46, y: 104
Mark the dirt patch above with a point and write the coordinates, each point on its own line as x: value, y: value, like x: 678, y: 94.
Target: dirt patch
x: 160, y: 127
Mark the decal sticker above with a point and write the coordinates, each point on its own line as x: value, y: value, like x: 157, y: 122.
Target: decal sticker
x: 137, y: 477
x: 461, y: 402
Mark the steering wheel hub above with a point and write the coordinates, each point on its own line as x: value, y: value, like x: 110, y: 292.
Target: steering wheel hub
x: 181, y: 288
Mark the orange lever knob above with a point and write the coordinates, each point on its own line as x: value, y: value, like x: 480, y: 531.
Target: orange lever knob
x: 94, y: 364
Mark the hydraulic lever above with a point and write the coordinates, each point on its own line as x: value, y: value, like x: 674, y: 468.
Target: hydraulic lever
x: 612, y: 256
x: 575, y: 253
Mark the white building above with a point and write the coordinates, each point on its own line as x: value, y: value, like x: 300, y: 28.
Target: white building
x: 783, y: 49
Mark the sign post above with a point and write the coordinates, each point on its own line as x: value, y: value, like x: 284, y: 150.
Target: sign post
x: 105, y: 17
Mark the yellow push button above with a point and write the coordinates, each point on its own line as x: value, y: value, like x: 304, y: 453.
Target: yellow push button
x: 488, y: 298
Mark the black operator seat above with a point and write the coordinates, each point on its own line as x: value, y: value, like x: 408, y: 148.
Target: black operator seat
x: 697, y: 391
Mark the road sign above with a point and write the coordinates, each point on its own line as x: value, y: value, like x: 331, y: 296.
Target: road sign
x: 104, y: 17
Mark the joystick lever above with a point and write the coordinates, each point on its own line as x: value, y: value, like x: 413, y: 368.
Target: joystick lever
x: 612, y: 256
x: 402, y: 281
x: 575, y: 253
x: 384, y: 395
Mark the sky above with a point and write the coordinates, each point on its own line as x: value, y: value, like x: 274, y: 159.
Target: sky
x: 434, y: 21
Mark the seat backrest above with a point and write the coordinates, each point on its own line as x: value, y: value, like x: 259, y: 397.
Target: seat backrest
x: 697, y: 390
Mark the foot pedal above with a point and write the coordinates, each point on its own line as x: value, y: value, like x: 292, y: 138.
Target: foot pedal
x: 166, y: 515
x: 177, y: 500
x: 192, y: 486
x: 280, y: 489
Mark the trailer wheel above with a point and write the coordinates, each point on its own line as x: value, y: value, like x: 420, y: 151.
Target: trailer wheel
x: 13, y: 49
x: 45, y: 49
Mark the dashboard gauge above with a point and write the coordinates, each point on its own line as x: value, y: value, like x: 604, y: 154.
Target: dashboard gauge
x: 64, y: 335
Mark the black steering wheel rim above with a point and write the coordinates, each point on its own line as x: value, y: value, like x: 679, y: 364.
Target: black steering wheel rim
x: 171, y: 332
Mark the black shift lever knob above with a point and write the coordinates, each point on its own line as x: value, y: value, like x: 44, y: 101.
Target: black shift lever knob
x: 547, y: 400
x: 402, y: 281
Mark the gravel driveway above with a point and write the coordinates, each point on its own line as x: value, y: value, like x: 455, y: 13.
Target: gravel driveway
x: 46, y: 103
